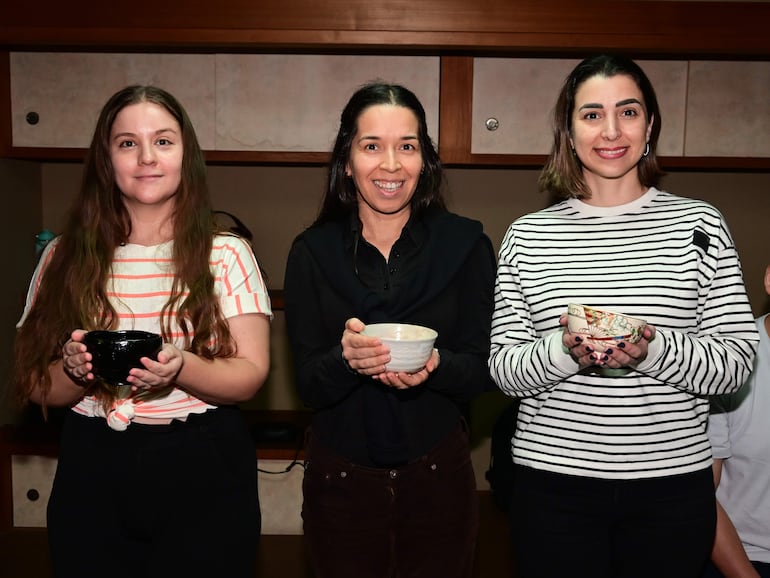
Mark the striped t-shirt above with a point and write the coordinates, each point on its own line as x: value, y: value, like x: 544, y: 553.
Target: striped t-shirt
x: 666, y: 259
x: 139, y: 287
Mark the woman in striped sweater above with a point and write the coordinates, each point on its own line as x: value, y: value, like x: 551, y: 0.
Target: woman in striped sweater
x: 613, y: 464
x: 162, y: 482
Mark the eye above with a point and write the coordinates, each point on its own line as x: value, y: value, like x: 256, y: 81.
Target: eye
x: 630, y: 112
x: 124, y: 144
x: 409, y: 146
x: 370, y: 146
x: 591, y: 115
x: 163, y: 141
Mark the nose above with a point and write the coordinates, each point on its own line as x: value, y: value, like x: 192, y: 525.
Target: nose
x: 611, y: 131
x: 146, y: 155
x: 390, y: 161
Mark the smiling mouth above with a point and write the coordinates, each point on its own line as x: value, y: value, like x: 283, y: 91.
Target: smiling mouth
x: 611, y: 153
x: 389, y: 186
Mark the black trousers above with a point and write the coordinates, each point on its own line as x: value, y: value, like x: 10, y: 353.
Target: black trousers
x: 417, y: 520
x: 155, y: 500
x: 569, y: 526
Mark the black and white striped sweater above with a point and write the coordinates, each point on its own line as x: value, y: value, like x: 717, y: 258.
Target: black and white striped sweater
x: 667, y: 259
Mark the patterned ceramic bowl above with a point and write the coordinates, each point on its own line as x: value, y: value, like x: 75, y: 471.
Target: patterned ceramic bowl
x: 410, y: 345
x: 603, y: 328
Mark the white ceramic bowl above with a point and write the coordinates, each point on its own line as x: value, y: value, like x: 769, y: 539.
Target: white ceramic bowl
x: 410, y: 345
x: 603, y: 328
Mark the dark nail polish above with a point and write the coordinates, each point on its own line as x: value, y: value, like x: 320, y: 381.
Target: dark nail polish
x: 608, y: 352
x: 588, y: 349
x: 579, y: 339
x: 605, y: 358
x: 621, y: 345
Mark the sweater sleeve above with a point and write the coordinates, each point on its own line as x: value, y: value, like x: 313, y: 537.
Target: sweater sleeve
x: 718, y: 355
x: 521, y: 362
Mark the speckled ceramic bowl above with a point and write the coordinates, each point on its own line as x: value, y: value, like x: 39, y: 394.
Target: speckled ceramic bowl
x: 410, y: 345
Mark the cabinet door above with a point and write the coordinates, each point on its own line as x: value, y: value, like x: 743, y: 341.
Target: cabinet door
x: 292, y: 102
x: 32, y: 478
x: 728, y: 109
x: 513, y: 101
x: 66, y: 91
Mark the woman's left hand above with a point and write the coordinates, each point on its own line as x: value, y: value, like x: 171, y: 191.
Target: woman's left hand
x: 402, y: 380
x: 626, y: 354
x: 158, y: 374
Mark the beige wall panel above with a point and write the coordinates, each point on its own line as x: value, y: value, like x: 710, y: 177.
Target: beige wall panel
x: 68, y: 90
x: 31, y: 473
x: 292, y: 102
x: 520, y: 94
x: 669, y: 79
x: 728, y: 110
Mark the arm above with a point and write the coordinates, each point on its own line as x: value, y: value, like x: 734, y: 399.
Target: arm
x: 728, y: 554
x: 462, y: 372
x: 715, y: 355
x: 521, y: 362
x: 227, y: 380
x: 321, y: 376
x: 458, y: 368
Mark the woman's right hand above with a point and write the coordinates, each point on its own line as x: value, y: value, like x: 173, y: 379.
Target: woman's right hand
x: 363, y: 354
x: 76, y: 361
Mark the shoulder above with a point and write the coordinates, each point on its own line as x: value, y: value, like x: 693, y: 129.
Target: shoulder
x: 670, y: 202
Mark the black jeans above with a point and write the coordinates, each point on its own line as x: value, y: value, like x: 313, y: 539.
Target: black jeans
x: 418, y: 520
x: 155, y: 500
x: 571, y: 526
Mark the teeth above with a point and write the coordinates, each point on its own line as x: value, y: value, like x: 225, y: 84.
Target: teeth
x: 389, y: 185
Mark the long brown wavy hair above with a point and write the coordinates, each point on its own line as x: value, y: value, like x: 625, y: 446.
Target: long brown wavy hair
x: 72, y: 292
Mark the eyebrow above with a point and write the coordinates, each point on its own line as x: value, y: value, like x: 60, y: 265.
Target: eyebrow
x: 373, y: 137
x: 619, y: 103
x: 157, y: 133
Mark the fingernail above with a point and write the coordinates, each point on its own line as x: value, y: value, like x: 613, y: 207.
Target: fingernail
x: 588, y: 349
x: 608, y: 352
x: 579, y: 339
x: 605, y: 358
x: 621, y: 345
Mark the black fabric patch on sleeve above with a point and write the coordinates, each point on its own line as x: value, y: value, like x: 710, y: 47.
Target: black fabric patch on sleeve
x: 700, y: 239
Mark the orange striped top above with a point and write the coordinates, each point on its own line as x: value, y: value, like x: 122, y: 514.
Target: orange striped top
x: 139, y: 287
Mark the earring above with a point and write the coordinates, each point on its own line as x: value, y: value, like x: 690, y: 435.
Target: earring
x: 646, y: 150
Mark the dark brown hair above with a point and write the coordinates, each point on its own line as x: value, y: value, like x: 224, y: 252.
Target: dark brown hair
x: 562, y: 175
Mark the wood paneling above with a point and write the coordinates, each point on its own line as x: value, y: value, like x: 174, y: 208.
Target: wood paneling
x: 564, y: 26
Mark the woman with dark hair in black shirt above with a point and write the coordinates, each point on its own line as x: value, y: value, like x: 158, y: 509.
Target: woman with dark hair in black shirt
x: 390, y: 489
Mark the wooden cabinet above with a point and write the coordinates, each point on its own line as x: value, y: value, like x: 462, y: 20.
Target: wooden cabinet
x: 292, y: 102
x: 709, y: 109
x: 56, y: 97
x: 237, y: 102
x: 728, y: 109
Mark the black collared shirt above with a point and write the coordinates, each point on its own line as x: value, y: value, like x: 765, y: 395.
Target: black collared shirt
x: 316, y: 314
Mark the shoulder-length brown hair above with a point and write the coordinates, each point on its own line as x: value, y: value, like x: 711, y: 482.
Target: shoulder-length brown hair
x: 562, y: 175
x: 72, y: 293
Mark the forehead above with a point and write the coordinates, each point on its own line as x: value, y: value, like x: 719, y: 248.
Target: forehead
x: 144, y: 115
x: 607, y: 90
x: 387, y: 117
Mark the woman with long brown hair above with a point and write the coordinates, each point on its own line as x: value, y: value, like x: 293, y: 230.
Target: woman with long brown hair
x: 164, y: 480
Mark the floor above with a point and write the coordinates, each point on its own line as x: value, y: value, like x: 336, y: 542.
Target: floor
x: 24, y: 551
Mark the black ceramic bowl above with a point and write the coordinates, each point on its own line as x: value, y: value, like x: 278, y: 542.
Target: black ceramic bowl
x: 114, y: 353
